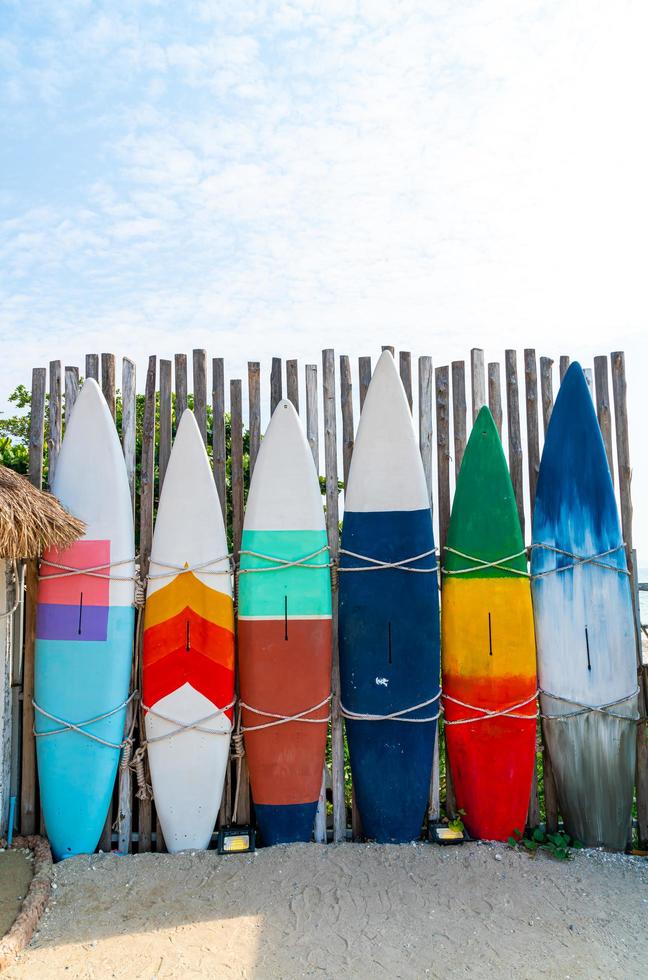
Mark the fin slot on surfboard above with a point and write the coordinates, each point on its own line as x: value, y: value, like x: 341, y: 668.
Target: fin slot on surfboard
x: 80, y: 612
x: 490, y: 636
x: 589, y: 662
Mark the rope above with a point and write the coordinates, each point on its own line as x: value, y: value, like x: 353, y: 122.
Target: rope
x: 394, y: 715
x: 95, y: 571
x: 486, y: 713
x: 14, y: 584
x: 481, y: 564
x: 237, y: 754
x: 69, y: 726
x: 187, y: 726
x: 279, y: 719
x: 203, y: 567
x: 376, y: 564
x: 281, y: 563
x: 583, y: 709
x: 580, y: 560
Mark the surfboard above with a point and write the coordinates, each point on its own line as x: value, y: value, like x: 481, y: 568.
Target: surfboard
x: 84, y: 632
x: 488, y: 644
x: 388, y: 618
x: 188, y: 659
x: 584, y: 624
x: 284, y: 632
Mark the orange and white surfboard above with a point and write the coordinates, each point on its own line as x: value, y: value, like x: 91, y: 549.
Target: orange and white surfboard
x: 188, y: 665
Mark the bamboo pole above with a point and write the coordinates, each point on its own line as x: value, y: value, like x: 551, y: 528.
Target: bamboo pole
x: 603, y: 411
x: 292, y: 383
x: 514, y: 436
x: 254, y: 408
x: 564, y: 364
x: 147, y: 490
x: 332, y: 526
x: 346, y: 404
x: 28, y: 763
x: 129, y: 412
x: 405, y: 365
x: 200, y: 390
x: 458, y: 412
x: 364, y: 377
x: 478, y: 384
x: 587, y: 372
x: 546, y: 389
x: 238, y: 495
x: 55, y: 419
x: 166, y: 419
x: 533, y: 462
x: 218, y: 432
x: 426, y: 447
x: 275, y: 383
x: 312, y: 435
x: 389, y: 348
x: 92, y: 366
x: 495, y: 394
x: 71, y: 390
x: 180, y: 386
x: 108, y: 382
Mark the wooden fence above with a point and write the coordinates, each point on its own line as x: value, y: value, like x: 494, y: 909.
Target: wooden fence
x: 440, y: 403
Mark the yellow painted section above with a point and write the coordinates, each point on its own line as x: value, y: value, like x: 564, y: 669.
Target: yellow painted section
x: 465, y: 644
x: 187, y: 591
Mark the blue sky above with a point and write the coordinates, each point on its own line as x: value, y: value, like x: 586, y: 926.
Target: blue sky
x: 267, y: 178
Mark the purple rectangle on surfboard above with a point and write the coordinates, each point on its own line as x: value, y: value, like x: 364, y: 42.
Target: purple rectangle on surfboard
x: 55, y: 621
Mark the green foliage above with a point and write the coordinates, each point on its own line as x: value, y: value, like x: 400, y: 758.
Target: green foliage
x: 456, y: 823
x: 559, y: 845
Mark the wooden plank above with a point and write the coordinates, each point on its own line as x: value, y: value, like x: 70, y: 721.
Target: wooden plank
x: 442, y: 396
x: 546, y: 390
x: 218, y: 431
x: 459, y: 412
x: 514, y: 437
x: 55, y: 419
x: 129, y: 414
x: 495, y: 394
x: 28, y: 762
x: 346, y: 403
x: 332, y: 527
x: 603, y: 411
x: 200, y: 390
x: 590, y: 382
x: 180, y: 386
x: 426, y: 447
x: 275, y: 383
x: 292, y: 383
x: 405, y: 367
x: 236, y: 422
x: 108, y: 382
x: 312, y: 434
x: 92, y: 366
x: 71, y: 390
x: 477, y: 381
x: 641, y: 778
x: 564, y: 364
x: 364, y: 377
x: 166, y: 418
x: 533, y: 463
x: 254, y: 407
x: 147, y: 492
x: 389, y: 348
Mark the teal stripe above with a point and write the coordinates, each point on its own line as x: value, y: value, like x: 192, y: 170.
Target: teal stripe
x: 264, y: 593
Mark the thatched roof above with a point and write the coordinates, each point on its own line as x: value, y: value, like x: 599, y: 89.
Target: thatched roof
x: 32, y: 520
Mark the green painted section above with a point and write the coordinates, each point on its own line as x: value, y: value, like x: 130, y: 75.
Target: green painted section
x: 484, y: 522
x: 264, y: 593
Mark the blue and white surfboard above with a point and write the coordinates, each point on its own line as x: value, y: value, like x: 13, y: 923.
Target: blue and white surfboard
x: 584, y: 624
x: 388, y: 618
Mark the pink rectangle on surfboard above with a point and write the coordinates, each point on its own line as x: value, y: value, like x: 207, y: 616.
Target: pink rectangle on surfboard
x: 58, y: 587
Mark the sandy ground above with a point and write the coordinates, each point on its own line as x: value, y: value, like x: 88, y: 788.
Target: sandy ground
x: 345, y: 911
x: 16, y: 872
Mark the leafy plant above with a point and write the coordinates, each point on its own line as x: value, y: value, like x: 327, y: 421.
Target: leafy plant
x: 456, y: 823
x: 559, y: 844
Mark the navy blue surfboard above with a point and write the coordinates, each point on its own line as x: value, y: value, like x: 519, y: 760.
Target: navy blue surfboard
x: 389, y: 618
x: 584, y: 624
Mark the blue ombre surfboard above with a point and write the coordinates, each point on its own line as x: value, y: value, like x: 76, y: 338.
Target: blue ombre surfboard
x: 84, y: 632
x: 584, y: 623
x: 389, y: 618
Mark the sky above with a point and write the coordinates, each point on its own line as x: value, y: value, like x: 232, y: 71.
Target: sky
x: 262, y: 178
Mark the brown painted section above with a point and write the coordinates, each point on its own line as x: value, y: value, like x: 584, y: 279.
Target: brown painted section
x: 285, y: 676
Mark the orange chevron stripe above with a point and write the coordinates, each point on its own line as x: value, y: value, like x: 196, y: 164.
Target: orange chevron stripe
x: 212, y: 642
x: 186, y: 591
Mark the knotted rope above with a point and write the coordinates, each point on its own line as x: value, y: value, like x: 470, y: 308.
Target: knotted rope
x: 94, y: 571
x: 280, y: 719
x: 80, y: 727
x: 582, y: 709
x: 375, y: 564
x: 279, y: 564
x: 579, y: 560
x: 480, y: 564
x: 395, y: 715
x: 511, y: 711
x: 204, y: 567
x: 188, y: 726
